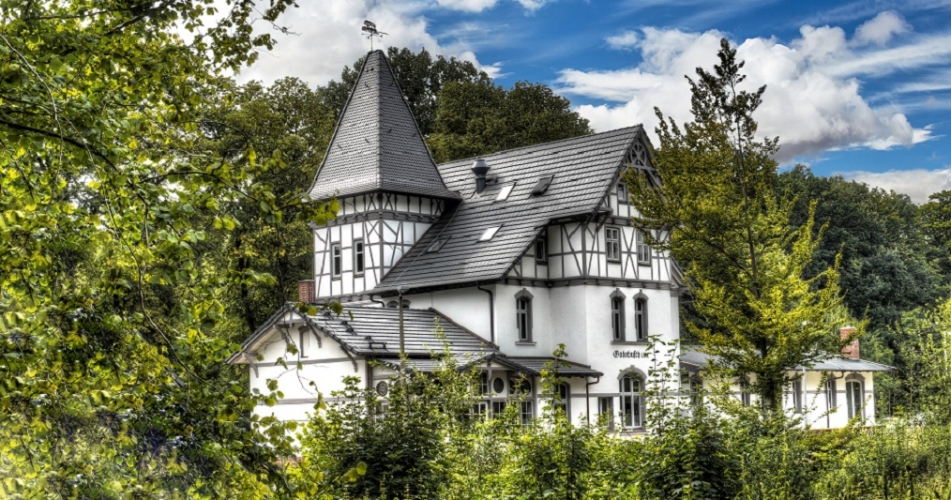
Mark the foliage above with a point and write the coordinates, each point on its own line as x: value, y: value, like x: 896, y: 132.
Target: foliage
x: 479, y: 117
x: 113, y: 382
x: 876, y: 235
x: 744, y: 264
x: 288, y: 129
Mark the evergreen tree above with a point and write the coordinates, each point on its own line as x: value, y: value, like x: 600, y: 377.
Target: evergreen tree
x: 744, y: 265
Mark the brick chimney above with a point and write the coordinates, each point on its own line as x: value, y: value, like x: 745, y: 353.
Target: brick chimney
x: 306, y: 291
x: 850, y: 351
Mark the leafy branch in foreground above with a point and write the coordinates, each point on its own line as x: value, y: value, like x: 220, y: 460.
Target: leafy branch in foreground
x: 112, y: 375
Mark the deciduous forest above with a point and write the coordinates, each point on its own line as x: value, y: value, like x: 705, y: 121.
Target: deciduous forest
x: 151, y: 217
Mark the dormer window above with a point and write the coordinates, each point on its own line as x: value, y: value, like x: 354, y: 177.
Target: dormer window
x: 505, y: 192
x: 437, y: 245
x: 489, y: 233
x: 542, y: 185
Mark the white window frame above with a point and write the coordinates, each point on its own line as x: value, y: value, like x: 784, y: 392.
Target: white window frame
x: 359, y: 257
x: 527, y: 411
x: 336, y: 260
x: 643, y: 250
x: 621, y: 190
x: 632, y: 388
x: 641, y: 328
x: 523, y: 315
x: 618, y: 323
x: 855, y: 396
x: 541, y: 251
x: 612, y: 244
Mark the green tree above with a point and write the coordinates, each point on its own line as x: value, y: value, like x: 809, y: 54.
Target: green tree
x: 263, y: 257
x: 884, y: 254
x: 745, y: 266
x: 476, y: 118
x: 112, y: 380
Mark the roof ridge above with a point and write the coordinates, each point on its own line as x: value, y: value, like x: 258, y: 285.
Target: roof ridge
x: 575, y: 138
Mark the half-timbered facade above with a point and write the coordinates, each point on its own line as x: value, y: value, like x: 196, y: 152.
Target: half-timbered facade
x: 512, y: 254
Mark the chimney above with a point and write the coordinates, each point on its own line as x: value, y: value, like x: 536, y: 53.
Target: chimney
x: 306, y: 291
x: 480, y: 168
x: 850, y: 351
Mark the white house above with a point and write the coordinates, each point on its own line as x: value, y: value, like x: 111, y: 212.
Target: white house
x: 513, y: 253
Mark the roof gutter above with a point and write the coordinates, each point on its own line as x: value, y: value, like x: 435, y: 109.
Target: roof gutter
x: 491, y: 313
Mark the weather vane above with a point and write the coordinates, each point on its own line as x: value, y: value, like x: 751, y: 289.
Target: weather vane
x: 369, y: 30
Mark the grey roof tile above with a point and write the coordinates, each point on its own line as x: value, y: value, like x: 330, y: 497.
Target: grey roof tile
x: 374, y: 331
x: 377, y: 145
x: 583, y: 168
x: 693, y: 360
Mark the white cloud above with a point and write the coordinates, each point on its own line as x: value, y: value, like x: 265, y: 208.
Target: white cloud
x: 809, y: 102
x: 329, y: 38
x: 468, y: 5
x: 880, y: 29
x: 922, y: 52
x: 917, y: 183
x: 937, y: 81
x: 532, y: 5
x: 626, y: 40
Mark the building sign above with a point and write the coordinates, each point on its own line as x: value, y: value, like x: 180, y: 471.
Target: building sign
x: 627, y: 354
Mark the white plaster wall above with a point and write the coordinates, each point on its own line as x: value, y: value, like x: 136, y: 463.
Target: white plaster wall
x: 544, y: 322
x: 468, y: 307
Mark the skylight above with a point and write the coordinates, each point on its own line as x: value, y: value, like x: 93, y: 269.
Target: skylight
x: 542, y: 185
x: 505, y: 192
x: 489, y: 233
x: 437, y: 245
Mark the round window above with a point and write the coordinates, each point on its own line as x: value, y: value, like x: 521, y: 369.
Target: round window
x: 498, y: 385
x: 382, y: 388
x: 520, y: 386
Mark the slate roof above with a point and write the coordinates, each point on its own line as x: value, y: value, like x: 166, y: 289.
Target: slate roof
x: 373, y: 331
x: 693, y: 361
x: 377, y: 145
x: 583, y: 169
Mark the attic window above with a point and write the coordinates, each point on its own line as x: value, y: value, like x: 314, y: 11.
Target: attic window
x: 542, y: 185
x: 437, y: 245
x: 505, y: 192
x: 489, y: 233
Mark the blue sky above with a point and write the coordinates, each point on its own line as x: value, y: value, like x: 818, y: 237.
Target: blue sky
x: 861, y: 89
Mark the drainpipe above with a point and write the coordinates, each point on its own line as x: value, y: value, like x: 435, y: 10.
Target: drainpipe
x: 491, y: 313
x: 587, y: 397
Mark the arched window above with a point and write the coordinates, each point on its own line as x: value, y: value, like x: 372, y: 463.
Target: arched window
x: 617, y: 315
x: 523, y: 315
x: 855, y: 395
x: 632, y: 402
x: 640, y: 318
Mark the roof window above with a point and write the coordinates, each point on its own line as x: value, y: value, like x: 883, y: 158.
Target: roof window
x: 489, y: 233
x: 437, y: 245
x: 505, y: 192
x: 542, y: 185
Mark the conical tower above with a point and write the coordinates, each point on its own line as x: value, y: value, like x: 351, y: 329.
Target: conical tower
x: 377, y: 146
x: 387, y: 184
